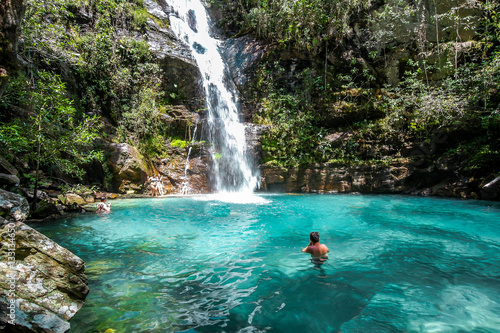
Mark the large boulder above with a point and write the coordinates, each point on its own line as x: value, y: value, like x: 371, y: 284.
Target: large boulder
x: 13, y: 208
x: 129, y: 168
x: 42, y: 285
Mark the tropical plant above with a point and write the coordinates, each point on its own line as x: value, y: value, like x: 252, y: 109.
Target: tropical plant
x: 53, y: 135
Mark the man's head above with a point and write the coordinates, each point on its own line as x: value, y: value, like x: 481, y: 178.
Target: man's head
x: 103, y: 199
x: 314, y: 236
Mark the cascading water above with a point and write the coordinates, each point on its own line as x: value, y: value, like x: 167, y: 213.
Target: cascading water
x: 186, y: 168
x: 232, y: 169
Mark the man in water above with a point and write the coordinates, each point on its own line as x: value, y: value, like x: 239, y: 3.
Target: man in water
x: 102, y: 207
x: 318, y: 251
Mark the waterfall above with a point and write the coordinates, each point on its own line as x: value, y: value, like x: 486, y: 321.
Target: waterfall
x: 232, y: 168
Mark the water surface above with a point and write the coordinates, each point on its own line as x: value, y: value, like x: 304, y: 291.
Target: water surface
x: 396, y: 264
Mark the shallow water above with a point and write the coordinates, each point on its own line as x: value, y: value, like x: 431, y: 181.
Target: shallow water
x: 396, y: 264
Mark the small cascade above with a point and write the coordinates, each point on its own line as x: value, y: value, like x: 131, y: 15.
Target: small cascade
x: 187, y: 163
x: 185, y: 187
x: 185, y: 181
x: 232, y: 167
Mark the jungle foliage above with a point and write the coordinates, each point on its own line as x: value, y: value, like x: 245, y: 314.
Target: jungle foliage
x: 83, y: 63
x: 308, y: 25
x: 456, y: 97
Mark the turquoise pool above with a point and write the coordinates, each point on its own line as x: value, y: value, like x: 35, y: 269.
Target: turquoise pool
x: 396, y: 264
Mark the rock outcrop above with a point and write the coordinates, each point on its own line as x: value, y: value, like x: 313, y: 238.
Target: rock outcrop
x: 397, y: 177
x: 177, y: 168
x: 11, y: 13
x: 241, y: 55
x: 42, y: 285
x: 182, y: 76
x: 129, y: 168
x: 337, y: 179
x: 8, y: 173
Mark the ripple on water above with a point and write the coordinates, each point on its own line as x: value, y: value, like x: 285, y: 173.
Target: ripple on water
x: 396, y: 264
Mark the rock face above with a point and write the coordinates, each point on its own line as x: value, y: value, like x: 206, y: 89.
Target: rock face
x: 181, y: 121
x: 253, y: 135
x: 337, y: 179
x: 42, y: 285
x: 177, y: 168
x: 456, y: 21
x: 182, y: 76
x: 397, y: 177
x: 241, y: 55
x: 129, y: 168
x: 11, y: 13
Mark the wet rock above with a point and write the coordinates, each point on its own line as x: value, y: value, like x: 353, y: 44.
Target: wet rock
x: 44, y: 210
x: 176, y: 168
x: 253, y: 135
x: 182, y: 76
x: 191, y: 17
x: 41, y: 284
x: 181, y: 121
x: 72, y: 198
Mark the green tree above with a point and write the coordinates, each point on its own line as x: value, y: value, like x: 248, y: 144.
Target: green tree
x: 53, y: 135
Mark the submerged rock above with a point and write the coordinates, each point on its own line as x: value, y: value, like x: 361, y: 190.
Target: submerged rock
x: 42, y: 285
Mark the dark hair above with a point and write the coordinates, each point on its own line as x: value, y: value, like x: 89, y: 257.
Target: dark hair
x: 314, y: 236
x: 103, y: 198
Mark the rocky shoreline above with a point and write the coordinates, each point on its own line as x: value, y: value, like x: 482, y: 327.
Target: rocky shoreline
x: 397, y: 177
x: 42, y: 285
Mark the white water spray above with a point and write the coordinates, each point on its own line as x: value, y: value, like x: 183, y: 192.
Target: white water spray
x: 232, y: 169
